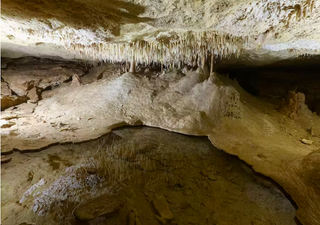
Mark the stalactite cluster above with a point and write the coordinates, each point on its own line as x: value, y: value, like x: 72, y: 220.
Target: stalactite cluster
x: 177, y: 48
x: 181, y: 48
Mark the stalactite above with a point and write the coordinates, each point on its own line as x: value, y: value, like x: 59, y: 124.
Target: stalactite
x: 212, y: 63
x: 133, y: 63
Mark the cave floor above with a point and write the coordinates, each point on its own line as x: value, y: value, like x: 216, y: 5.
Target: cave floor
x: 200, y: 184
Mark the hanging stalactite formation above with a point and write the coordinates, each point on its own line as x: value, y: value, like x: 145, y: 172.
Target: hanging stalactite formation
x: 181, y: 48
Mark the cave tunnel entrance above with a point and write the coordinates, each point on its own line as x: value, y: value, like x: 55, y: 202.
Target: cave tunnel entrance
x: 276, y: 80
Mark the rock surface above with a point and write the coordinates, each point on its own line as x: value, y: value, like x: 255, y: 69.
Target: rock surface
x: 8, y: 101
x: 34, y: 94
x: 145, y: 163
x: 100, y: 206
x: 5, y: 90
x: 191, y: 104
x: 24, y: 74
x: 269, y: 31
x: 162, y: 207
x: 306, y: 141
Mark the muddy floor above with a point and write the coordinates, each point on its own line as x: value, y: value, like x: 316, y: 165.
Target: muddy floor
x: 138, y: 175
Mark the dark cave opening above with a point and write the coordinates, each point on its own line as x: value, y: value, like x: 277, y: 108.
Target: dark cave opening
x: 275, y: 81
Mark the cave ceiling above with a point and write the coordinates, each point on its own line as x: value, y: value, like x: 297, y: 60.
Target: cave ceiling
x: 237, y: 31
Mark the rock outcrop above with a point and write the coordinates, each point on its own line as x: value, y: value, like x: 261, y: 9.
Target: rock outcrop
x: 8, y: 99
x: 27, y: 73
x: 101, y: 206
x: 193, y: 104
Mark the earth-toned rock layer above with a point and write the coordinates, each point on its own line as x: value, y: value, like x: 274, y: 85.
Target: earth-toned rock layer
x: 194, y: 103
x: 156, y: 177
x: 164, y: 31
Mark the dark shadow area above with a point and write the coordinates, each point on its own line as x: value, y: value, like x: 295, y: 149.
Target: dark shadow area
x: 275, y: 81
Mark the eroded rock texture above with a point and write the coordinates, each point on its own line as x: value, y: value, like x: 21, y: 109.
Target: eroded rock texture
x: 194, y: 103
x: 168, y: 31
x: 139, y: 176
x: 27, y: 76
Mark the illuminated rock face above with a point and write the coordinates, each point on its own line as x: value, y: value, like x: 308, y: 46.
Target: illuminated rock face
x: 167, y: 31
x: 194, y: 103
x: 171, y: 34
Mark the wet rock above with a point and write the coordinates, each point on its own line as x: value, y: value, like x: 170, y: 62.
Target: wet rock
x: 162, y: 207
x: 131, y: 218
x: 306, y: 141
x: 311, y: 169
x: 8, y: 101
x: 138, y: 221
x: 161, y: 220
x: 313, y: 132
x: 100, y: 206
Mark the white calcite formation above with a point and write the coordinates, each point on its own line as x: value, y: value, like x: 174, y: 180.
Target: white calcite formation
x: 194, y: 103
x: 168, y: 32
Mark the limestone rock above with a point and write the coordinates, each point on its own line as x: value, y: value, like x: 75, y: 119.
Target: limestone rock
x: 311, y: 169
x: 49, y: 93
x: 282, y: 29
x: 188, y: 105
x: 22, y: 76
x: 131, y: 219
x: 99, y: 72
x: 100, y: 206
x: 76, y: 81
x: 5, y: 90
x: 162, y: 207
x: 236, y: 189
x: 5, y: 159
x: 293, y: 104
x: 306, y: 141
x: 8, y: 101
x: 34, y: 94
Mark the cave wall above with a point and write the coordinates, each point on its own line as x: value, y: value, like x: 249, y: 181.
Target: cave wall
x: 274, y: 81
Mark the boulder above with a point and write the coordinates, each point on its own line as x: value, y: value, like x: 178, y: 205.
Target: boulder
x: 108, y: 71
x: 76, y: 81
x: 8, y: 101
x: 34, y: 94
x: 293, y: 104
x: 99, y: 206
x: 54, y: 91
x: 23, y: 75
x: 162, y: 207
x: 5, y: 90
x: 306, y: 141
